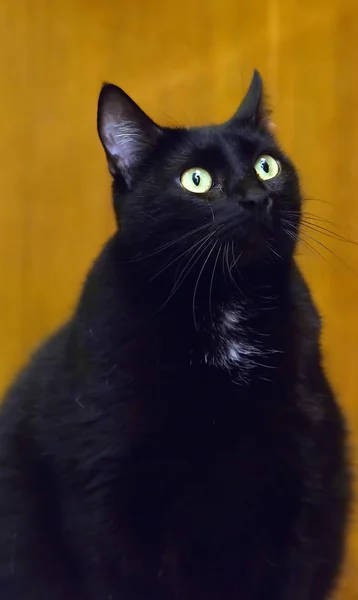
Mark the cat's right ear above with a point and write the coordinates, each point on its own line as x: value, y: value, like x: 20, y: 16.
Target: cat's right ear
x: 126, y: 132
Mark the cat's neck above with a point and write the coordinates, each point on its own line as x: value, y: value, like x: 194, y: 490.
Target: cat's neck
x: 224, y: 325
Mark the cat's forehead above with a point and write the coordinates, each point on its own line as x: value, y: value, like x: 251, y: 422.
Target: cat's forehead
x: 218, y: 142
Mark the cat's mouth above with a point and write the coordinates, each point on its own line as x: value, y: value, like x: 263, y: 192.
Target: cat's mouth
x: 251, y: 236
x: 248, y: 229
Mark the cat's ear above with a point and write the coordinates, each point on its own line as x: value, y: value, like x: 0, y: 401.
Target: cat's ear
x: 253, y: 109
x: 126, y: 132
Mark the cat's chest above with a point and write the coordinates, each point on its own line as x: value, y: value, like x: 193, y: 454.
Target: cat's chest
x: 215, y: 390
x: 230, y: 344
x: 206, y: 381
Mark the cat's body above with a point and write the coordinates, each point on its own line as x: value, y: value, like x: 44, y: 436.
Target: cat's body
x: 176, y: 445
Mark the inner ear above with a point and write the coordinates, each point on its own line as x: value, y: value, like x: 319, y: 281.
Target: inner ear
x: 126, y: 132
x: 253, y: 108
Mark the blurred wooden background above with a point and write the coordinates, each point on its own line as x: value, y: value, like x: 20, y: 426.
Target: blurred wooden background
x: 189, y: 61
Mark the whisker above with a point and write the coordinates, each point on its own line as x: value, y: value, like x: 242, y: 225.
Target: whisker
x: 230, y: 266
x: 296, y: 239
x: 274, y: 251
x: 327, y: 232
x: 318, y: 200
x: 197, y: 283
x: 314, y: 250
x: 177, y: 258
x: 171, y: 243
x: 311, y: 216
x: 178, y: 279
x: 330, y: 251
x: 235, y: 260
x: 185, y: 271
x: 223, y: 262
x: 232, y: 254
x: 233, y: 264
x: 212, y: 281
x: 212, y: 212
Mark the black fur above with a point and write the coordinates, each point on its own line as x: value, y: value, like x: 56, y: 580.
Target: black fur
x: 178, y: 439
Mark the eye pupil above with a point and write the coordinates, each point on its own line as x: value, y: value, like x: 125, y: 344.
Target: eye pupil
x: 196, y: 178
x: 265, y: 165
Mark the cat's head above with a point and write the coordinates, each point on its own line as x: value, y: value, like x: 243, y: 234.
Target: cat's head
x: 221, y: 193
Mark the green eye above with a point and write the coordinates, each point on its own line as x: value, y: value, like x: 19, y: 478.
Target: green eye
x: 196, y: 180
x: 267, y: 167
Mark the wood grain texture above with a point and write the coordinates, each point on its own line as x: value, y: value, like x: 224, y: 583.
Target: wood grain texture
x: 187, y: 62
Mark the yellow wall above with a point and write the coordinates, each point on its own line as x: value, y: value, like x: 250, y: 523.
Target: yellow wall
x: 189, y: 61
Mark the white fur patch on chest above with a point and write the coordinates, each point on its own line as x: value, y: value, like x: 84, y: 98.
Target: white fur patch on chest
x: 231, y: 344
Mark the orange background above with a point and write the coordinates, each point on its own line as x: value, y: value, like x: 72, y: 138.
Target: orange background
x: 189, y: 61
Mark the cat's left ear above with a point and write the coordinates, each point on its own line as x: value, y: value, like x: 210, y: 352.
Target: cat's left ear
x: 253, y: 109
x: 126, y: 132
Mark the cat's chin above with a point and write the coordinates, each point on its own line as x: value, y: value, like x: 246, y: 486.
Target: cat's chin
x: 256, y: 243
x: 253, y: 254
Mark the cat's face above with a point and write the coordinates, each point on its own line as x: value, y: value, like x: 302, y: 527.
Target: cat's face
x: 224, y: 193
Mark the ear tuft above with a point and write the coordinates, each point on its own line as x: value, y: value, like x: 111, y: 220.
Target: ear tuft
x: 126, y: 132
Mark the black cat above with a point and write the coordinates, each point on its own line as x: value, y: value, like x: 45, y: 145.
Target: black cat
x: 178, y: 439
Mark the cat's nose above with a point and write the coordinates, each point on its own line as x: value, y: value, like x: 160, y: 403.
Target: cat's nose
x: 255, y: 199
